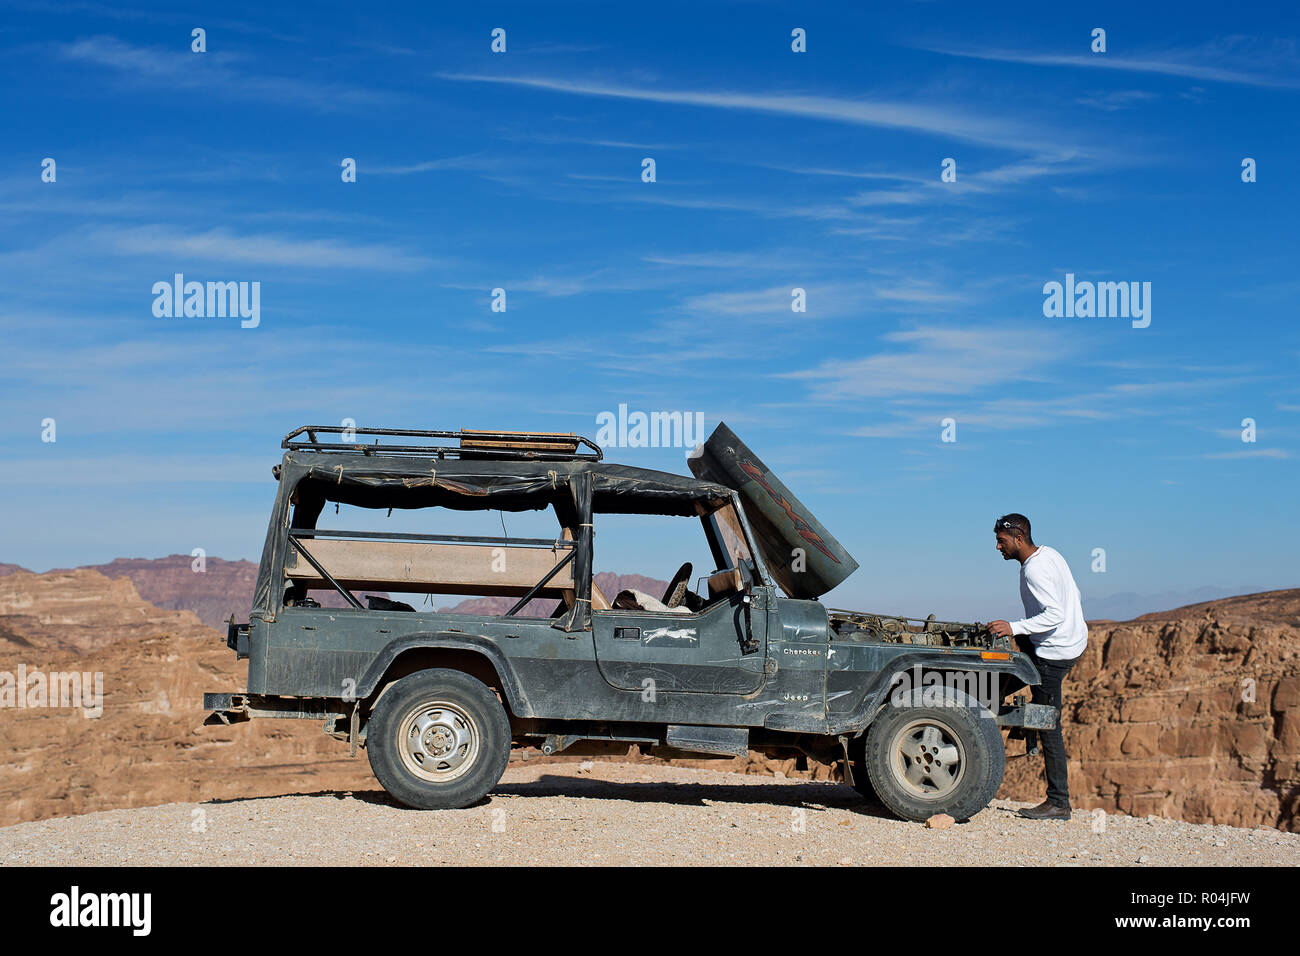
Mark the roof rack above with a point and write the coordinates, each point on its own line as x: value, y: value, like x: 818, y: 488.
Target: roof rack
x: 473, y: 443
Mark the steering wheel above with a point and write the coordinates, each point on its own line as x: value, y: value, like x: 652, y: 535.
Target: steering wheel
x: 676, y: 590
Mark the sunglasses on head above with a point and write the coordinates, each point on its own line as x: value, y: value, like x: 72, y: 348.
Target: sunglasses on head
x: 1002, y: 524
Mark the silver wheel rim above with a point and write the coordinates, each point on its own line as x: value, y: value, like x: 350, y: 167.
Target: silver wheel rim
x: 927, y: 758
x: 438, y: 741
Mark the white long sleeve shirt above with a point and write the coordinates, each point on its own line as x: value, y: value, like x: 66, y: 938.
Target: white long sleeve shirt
x: 1053, y: 613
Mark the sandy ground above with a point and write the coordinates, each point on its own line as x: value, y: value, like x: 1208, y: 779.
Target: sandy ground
x: 621, y: 814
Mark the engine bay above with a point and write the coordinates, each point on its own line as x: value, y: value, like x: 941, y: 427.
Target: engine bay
x: 888, y: 629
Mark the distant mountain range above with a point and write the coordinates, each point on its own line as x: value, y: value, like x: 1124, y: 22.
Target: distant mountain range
x: 1128, y: 605
x: 226, y: 587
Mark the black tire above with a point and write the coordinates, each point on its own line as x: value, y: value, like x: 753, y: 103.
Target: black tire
x: 438, y: 740
x: 923, y: 760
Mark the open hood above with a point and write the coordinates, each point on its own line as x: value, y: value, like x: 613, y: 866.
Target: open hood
x: 803, y: 556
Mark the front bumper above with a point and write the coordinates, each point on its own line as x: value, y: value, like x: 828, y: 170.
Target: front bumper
x: 1029, y: 716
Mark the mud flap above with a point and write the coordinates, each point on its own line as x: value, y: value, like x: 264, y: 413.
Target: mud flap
x: 848, y: 762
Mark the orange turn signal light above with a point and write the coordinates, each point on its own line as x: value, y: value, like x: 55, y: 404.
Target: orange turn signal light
x: 995, y: 655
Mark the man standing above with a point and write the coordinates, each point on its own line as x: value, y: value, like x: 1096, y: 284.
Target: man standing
x: 1053, y: 634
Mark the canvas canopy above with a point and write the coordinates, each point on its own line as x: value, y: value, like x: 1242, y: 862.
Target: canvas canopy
x: 576, y: 489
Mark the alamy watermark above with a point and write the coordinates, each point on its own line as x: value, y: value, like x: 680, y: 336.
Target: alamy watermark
x: 931, y: 688
x: 649, y: 429
x: 1102, y: 300
x: 212, y: 300
x: 35, y: 689
x: 75, y: 908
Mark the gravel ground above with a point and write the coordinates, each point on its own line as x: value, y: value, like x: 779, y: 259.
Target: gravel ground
x: 615, y: 814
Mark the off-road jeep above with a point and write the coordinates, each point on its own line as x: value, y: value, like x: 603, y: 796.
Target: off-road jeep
x: 748, y: 659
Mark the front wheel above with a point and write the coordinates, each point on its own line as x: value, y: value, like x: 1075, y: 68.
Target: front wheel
x: 923, y: 760
x: 438, y: 739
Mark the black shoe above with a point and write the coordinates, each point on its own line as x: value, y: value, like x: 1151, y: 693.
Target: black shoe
x: 1045, y: 811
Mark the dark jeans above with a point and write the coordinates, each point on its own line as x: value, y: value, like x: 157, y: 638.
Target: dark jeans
x: 1053, y: 741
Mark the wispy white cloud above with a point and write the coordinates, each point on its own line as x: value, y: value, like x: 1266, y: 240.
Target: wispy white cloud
x: 84, y: 8
x: 961, y: 123
x: 222, y: 245
x: 1251, y: 453
x: 822, y: 299
x: 1228, y: 61
x: 895, y: 176
x: 746, y: 303
x: 1003, y: 378
x: 474, y: 162
x: 140, y: 379
x: 223, y: 74
x: 558, y: 48
x: 562, y: 284
x: 134, y: 469
x: 775, y: 208
x: 593, y: 190
x: 606, y: 142
x: 1117, y: 100
x: 934, y: 361
x: 747, y: 260
x: 982, y: 182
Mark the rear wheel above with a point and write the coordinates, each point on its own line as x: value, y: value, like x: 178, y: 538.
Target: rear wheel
x: 438, y: 739
x: 920, y: 761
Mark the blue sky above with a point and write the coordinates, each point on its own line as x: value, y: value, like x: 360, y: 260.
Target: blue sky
x: 775, y: 170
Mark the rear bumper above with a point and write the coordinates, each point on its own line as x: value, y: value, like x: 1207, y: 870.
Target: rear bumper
x: 237, y: 708
x: 226, y: 709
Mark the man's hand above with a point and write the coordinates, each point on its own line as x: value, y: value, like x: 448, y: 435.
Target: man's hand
x: 1000, y: 628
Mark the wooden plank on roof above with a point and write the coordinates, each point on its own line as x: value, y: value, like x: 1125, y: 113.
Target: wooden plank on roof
x: 522, y: 441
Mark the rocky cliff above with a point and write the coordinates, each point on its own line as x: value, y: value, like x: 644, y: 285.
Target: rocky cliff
x: 1192, y: 713
x: 60, y: 615
x: 146, y: 748
x: 219, y: 589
